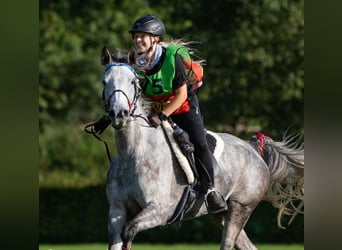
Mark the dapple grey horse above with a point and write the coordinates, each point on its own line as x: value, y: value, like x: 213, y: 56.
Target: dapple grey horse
x: 145, y: 182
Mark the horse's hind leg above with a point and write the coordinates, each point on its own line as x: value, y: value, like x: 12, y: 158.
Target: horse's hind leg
x: 234, y: 222
x: 243, y: 242
x: 148, y: 218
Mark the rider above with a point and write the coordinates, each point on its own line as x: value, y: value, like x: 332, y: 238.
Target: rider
x: 167, y: 84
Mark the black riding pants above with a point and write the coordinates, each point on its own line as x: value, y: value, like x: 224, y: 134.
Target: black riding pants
x: 192, y: 123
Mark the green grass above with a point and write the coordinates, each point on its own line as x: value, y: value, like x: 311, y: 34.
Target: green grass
x: 101, y: 246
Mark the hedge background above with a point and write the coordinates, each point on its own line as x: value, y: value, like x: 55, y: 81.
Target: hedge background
x: 80, y: 215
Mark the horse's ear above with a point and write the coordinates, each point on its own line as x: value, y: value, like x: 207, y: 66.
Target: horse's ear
x: 106, y: 57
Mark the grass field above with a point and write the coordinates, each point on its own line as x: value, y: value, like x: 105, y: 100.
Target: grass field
x: 164, y: 247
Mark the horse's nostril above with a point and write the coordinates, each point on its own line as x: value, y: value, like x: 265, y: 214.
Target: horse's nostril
x: 122, y: 114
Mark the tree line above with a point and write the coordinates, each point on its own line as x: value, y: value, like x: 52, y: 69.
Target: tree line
x: 254, y: 52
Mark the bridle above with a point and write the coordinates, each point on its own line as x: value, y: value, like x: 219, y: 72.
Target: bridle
x: 137, y: 90
x: 132, y: 104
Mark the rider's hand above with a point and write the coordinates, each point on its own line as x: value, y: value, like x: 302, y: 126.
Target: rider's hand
x: 102, y: 124
x: 154, y: 120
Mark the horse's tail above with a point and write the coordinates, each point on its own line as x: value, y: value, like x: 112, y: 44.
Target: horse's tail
x: 285, y: 160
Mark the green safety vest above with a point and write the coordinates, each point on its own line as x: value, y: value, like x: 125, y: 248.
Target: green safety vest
x: 160, y: 83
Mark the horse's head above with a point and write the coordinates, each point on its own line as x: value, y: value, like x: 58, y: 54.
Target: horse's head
x: 121, y: 90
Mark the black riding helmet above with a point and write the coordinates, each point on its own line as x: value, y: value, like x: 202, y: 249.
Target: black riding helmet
x: 149, y: 24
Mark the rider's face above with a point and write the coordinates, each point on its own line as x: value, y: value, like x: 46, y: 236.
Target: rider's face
x: 142, y: 41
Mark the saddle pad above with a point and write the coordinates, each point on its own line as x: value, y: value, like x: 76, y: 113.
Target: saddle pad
x: 215, y: 143
x: 183, y: 161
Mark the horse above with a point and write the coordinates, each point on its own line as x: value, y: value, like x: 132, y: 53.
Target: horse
x: 145, y: 182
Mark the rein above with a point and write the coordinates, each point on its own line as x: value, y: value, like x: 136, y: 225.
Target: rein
x: 90, y: 130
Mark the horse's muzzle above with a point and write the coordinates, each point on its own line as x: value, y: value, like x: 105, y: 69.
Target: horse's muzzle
x: 119, y: 119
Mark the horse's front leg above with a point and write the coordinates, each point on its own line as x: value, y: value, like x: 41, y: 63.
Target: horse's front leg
x: 149, y: 217
x: 116, y: 223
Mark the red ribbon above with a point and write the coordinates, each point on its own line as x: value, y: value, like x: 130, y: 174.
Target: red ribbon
x: 261, y: 138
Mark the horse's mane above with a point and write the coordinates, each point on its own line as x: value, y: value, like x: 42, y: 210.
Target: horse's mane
x: 121, y: 56
x: 129, y: 56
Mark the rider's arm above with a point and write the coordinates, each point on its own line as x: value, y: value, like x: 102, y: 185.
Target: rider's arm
x: 179, y: 86
x: 180, y: 97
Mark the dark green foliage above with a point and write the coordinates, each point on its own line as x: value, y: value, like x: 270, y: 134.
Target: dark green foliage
x: 71, y: 37
x: 262, y: 226
x: 73, y: 215
x: 254, y: 77
x: 69, y: 157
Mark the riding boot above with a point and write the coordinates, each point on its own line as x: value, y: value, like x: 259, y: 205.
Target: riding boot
x: 215, y: 201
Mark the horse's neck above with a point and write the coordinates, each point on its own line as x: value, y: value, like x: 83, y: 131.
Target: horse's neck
x: 136, y: 140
